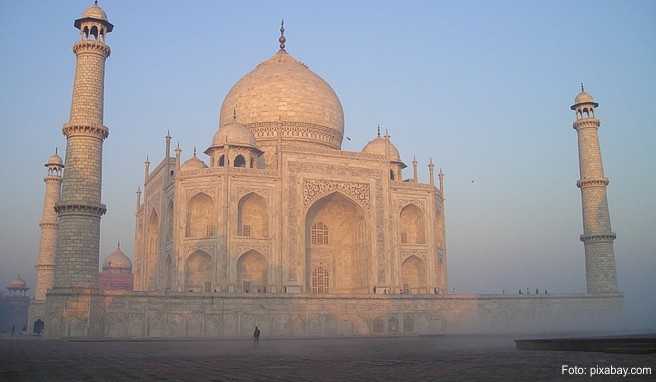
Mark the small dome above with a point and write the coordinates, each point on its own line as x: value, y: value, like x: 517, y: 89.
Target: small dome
x: 235, y: 134
x: 583, y: 97
x: 117, y: 260
x: 95, y: 12
x: 193, y: 163
x: 55, y: 160
x: 17, y: 283
x: 378, y: 145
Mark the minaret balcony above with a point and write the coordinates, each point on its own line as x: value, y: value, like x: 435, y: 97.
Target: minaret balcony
x: 586, y: 183
x: 586, y: 123
x: 93, y: 46
x: 603, y: 237
x: 98, y: 131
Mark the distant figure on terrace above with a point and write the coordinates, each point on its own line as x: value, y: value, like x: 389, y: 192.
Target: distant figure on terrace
x: 256, y: 335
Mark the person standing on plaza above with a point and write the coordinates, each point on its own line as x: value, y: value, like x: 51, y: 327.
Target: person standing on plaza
x: 256, y: 335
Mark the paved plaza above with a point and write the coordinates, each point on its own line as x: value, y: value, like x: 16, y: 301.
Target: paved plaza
x: 456, y: 358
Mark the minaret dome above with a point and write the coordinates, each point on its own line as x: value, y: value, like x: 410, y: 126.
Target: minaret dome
x: 94, y: 23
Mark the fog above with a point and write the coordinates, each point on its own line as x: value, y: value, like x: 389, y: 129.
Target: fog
x: 484, y: 91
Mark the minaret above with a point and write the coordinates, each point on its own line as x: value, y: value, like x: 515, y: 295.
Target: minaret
x: 45, y: 265
x: 431, y: 170
x: 597, y: 238
x: 146, y: 170
x: 178, y: 153
x: 415, y: 175
x: 167, y: 152
x: 138, y: 198
x: 79, y: 209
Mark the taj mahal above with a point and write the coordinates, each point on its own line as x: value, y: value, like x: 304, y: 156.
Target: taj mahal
x: 278, y: 206
x: 271, y: 223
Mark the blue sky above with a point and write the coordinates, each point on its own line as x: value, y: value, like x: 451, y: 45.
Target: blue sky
x: 481, y: 87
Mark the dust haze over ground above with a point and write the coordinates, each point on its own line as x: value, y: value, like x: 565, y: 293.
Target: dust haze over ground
x: 455, y: 358
x: 455, y: 81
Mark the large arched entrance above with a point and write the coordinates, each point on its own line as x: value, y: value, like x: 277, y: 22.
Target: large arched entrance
x: 336, y: 246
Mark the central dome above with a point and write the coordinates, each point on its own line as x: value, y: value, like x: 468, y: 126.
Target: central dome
x: 282, y: 98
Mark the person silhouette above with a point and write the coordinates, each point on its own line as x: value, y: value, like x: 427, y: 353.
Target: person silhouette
x: 256, y: 335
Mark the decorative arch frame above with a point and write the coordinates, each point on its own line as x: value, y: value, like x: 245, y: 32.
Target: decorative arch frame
x: 421, y: 214
x: 422, y: 278
x: 210, y: 228
x: 259, y: 285
x: 364, y: 236
x: 309, y: 203
x: 152, y: 248
x: 204, y: 278
x: 266, y: 218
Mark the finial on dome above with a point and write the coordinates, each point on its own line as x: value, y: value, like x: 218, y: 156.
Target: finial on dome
x: 379, y: 129
x: 282, y: 38
x: 95, y: 2
x: 194, y: 151
x: 118, y: 244
x: 582, y: 88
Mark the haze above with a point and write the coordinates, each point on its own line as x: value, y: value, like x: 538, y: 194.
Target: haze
x: 484, y: 89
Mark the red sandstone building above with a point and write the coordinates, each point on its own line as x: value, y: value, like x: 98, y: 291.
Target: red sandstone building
x: 116, y: 271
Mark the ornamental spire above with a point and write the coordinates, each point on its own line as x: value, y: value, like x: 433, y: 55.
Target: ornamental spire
x: 582, y: 89
x: 282, y: 38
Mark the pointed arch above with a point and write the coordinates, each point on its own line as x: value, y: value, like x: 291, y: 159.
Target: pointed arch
x: 94, y: 32
x: 411, y: 225
x: 252, y: 272
x: 197, y: 272
x: 240, y: 161
x: 152, y: 250
x: 413, y: 274
x: 252, y: 216
x: 337, y: 262
x: 200, y: 217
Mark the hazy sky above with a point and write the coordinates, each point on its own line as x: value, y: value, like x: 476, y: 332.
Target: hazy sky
x: 483, y: 88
